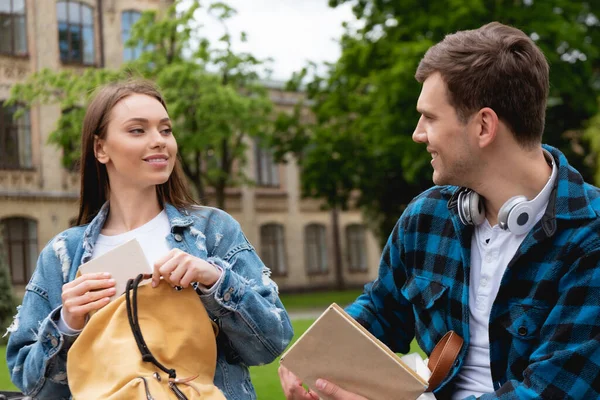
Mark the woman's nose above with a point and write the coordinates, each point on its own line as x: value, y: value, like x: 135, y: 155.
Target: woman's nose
x: 158, y: 139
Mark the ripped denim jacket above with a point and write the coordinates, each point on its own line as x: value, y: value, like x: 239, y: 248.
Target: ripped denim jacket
x: 254, y: 326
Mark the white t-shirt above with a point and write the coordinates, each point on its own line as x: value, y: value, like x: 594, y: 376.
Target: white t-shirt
x: 492, y: 248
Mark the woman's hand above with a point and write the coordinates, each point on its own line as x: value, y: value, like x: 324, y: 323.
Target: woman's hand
x: 181, y: 269
x: 89, y: 292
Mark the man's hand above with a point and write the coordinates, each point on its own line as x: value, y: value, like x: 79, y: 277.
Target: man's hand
x: 293, y: 390
x: 292, y: 387
x: 333, y: 392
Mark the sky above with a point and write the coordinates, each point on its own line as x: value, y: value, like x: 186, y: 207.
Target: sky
x: 291, y: 32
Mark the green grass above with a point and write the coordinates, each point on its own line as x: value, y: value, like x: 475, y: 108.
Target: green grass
x: 318, y: 299
x: 265, y: 378
x: 5, y: 383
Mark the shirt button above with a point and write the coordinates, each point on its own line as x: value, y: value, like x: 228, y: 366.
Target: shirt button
x: 488, y: 258
x: 484, y: 282
x: 227, y: 296
x: 178, y: 237
x: 522, y: 331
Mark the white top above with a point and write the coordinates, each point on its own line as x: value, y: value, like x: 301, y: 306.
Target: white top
x: 492, y: 248
x: 152, y: 237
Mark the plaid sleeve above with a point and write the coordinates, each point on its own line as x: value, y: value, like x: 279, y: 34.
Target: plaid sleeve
x: 381, y: 308
x: 566, y: 363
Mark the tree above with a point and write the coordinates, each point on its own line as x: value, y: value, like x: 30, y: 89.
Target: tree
x: 358, y: 150
x: 214, y: 96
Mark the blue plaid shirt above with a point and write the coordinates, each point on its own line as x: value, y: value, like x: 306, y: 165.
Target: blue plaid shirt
x: 545, y: 322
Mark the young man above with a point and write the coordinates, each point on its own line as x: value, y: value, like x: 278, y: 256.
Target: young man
x: 511, y: 263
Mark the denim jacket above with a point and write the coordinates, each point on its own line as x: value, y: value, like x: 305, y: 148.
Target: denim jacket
x: 254, y: 326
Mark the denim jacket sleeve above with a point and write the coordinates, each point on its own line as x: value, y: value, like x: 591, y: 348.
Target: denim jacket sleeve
x: 245, y: 301
x: 37, y: 351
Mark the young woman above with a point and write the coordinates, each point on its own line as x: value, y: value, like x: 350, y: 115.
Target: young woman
x: 132, y: 187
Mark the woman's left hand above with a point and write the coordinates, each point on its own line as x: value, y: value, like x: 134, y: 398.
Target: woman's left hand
x: 181, y: 269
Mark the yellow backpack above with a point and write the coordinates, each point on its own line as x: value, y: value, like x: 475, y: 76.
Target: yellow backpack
x: 150, y: 343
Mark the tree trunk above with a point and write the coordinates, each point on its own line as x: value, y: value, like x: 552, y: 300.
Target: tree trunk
x: 337, y: 252
x: 220, y: 194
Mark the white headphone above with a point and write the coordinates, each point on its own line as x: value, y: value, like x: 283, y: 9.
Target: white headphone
x: 516, y: 215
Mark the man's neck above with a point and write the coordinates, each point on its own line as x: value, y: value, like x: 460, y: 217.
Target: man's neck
x: 130, y: 209
x: 517, y: 173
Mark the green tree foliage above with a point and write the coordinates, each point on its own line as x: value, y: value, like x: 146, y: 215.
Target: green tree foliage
x: 359, y: 150
x: 212, y: 92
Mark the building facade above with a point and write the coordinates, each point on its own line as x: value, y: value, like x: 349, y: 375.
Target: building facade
x: 38, y: 197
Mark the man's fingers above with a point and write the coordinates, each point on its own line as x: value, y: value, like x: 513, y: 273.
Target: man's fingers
x: 334, y: 392
x: 292, y: 386
x: 328, y: 388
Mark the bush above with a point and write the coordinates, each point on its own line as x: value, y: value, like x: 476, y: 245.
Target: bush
x: 8, y: 301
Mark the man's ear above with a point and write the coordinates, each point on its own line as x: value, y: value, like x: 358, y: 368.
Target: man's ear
x: 487, y: 126
x: 99, y: 152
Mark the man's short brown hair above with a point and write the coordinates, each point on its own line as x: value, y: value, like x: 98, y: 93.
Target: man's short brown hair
x: 495, y: 66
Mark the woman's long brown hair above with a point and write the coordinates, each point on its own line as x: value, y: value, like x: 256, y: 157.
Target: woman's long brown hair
x: 94, y: 178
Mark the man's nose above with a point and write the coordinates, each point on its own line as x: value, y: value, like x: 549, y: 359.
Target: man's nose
x: 419, y: 135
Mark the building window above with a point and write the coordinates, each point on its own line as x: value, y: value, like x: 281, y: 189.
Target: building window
x: 15, y: 139
x: 20, y: 244
x: 272, y: 246
x: 75, y: 32
x: 128, y: 19
x: 13, y: 28
x: 316, y: 249
x: 267, y: 171
x: 356, y: 248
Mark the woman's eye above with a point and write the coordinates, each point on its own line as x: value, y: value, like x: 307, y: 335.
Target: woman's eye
x: 137, y: 131
x: 167, y: 131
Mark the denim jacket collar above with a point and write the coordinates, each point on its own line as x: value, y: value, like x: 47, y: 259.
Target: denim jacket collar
x: 177, y: 218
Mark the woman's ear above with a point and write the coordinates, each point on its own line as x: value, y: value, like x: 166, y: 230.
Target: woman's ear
x: 99, y: 152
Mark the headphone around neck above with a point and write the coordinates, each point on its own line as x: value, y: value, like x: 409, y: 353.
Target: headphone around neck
x: 516, y: 215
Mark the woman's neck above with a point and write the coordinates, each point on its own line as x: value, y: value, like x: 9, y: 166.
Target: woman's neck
x: 130, y: 209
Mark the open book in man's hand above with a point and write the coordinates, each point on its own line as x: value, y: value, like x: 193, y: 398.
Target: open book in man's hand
x: 340, y: 350
x: 124, y: 262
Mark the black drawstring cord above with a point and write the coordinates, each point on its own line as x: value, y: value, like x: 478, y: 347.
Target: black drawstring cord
x: 134, y: 324
x: 132, y: 315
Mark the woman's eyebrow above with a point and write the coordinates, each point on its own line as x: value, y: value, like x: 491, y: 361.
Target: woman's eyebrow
x: 144, y: 120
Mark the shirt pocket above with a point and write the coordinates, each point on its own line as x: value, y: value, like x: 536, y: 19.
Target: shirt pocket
x: 430, y: 308
x: 423, y: 292
x: 523, y: 322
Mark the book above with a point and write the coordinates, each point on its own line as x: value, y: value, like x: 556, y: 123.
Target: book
x: 338, y: 349
x: 124, y: 262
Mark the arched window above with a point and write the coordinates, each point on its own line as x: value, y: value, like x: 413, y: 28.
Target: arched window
x: 75, y: 32
x: 315, y: 249
x: 356, y: 248
x: 21, y: 247
x: 272, y: 246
